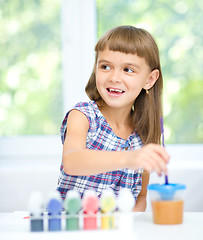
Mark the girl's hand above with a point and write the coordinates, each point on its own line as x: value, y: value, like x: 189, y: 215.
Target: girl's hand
x: 151, y: 157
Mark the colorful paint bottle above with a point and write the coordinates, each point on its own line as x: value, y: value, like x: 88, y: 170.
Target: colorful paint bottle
x: 54, y: 208
x: 90, y: 204
x: 72, y: 206
x: 125, y: 203
x: 108, y: 206
x: 36, y: 212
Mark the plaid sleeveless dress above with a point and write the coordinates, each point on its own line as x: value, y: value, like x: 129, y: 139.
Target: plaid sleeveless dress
x: 101, y: 137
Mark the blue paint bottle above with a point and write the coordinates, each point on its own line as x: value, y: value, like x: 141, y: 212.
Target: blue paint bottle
x: 36, y: 212
x: 54, y: 208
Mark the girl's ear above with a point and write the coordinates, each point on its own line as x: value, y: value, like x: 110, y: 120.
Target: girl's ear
x: 153, y: 76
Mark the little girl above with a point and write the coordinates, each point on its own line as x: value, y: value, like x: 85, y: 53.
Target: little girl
x: 113, y: 141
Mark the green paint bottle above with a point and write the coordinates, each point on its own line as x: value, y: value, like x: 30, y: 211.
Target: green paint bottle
x: 72, y: 206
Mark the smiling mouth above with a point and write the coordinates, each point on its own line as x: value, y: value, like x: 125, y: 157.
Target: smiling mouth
x: 115, y: 90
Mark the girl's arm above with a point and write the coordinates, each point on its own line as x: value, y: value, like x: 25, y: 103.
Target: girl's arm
x: 77, y: 160
x: 141, y: 203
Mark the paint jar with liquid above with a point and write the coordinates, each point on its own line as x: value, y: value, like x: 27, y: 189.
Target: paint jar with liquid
x: 167, y: 201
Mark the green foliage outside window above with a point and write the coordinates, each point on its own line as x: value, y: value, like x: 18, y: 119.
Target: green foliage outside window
x: 30, y: 67
x: 177, y: 27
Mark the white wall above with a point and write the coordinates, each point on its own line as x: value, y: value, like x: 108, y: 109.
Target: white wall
x: 29, y: 167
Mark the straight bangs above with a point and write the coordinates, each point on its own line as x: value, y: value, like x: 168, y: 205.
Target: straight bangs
x: 128, y: 39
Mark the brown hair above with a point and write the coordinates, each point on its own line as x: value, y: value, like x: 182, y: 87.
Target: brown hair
x: 147, y: 107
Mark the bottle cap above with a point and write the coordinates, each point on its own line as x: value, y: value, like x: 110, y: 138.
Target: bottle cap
x: 90, y: 202
x: 35, y: 204
x: 72, y: 202
x: 108, y: 201
x: 126, y: 200
x: 54, y: 205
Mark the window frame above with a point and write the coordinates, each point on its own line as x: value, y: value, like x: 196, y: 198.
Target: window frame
x: 77, y: 17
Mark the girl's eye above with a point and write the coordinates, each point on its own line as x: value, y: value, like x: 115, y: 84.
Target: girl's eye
x: 105, y: 67
x: 128, y: 70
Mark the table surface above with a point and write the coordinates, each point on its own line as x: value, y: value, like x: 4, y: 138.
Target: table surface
x: 14, y: 226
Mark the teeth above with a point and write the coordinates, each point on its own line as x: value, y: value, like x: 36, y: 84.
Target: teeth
x: 115, y: 90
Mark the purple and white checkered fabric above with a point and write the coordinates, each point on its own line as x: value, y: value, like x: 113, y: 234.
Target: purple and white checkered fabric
x: 101, y: 137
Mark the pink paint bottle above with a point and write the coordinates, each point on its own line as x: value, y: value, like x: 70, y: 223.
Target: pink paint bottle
x: 90, y: 204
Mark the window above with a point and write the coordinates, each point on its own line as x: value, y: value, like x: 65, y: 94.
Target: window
x: 51, y: 52
x: 47, y: 55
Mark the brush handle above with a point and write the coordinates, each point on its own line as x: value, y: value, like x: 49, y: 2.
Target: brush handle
x: 166, y: 179
x: 163, y: 144
x: 162, y: 131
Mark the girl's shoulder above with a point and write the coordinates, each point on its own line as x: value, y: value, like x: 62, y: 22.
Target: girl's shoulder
x: 89, y: 109
x: 86, y: 107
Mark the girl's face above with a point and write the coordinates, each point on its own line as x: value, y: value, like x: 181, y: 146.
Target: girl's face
x: 120, y: 77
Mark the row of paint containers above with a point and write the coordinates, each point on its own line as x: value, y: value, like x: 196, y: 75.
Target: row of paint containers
x: 88, y: 213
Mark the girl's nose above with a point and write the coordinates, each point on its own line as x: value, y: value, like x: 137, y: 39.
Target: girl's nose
x: 115, y: 76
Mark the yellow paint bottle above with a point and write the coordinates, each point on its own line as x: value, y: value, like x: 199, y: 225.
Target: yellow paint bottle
x: 108, y: 206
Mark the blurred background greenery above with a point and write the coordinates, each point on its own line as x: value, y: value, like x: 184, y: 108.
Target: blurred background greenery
x: 30, y: 67
x: 31, y: 73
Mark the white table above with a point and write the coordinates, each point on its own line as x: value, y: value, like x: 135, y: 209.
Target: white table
x: 14, y: 226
